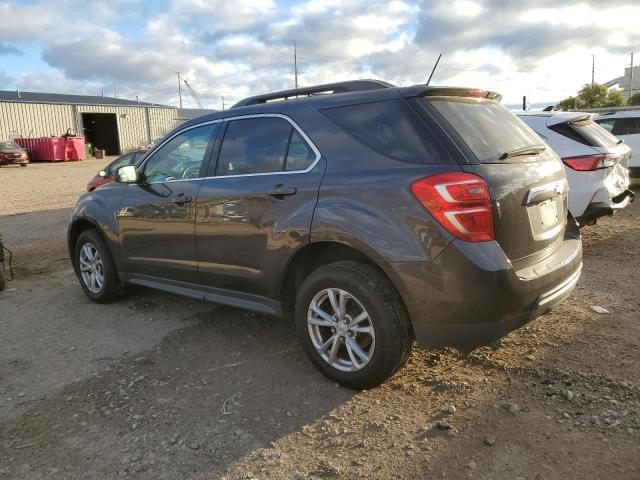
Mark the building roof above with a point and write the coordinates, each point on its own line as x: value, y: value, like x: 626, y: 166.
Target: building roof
x: 189, y: 113
x: 62, y: 98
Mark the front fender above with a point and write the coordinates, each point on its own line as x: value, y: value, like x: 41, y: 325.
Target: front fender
x: 99, y: 208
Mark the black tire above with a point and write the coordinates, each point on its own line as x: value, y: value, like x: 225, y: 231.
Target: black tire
x: 111, y: 287
x: 3, y: 278
x: 23, y: 164
x: 387, y: 314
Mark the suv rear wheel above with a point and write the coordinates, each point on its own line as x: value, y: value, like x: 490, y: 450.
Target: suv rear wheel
x: 95, y: 268
x: 352, y: 324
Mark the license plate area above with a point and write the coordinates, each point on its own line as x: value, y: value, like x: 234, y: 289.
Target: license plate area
x: 548, y: 214
x: 545, y: 219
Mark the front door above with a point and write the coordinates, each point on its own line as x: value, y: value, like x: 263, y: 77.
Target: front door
x: 256, y: 206
x: 157, y: 216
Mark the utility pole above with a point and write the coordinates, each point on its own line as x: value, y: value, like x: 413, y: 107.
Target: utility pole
x: 524, y: 102
x: 631, y: 77
x: 434, y: 69
x: 295, y: 65
x: 222, y: 103
x: 179, y: 89
x: 593, y: 69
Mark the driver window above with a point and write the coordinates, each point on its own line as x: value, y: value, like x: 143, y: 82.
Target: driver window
x: 181, y: 157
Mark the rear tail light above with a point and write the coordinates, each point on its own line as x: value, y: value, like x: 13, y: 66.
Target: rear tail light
x: 460, y: 202
x: 591, y: 162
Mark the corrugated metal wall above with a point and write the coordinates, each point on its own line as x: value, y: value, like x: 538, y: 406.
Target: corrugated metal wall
x: 34, y: 120
x: 137, y: 126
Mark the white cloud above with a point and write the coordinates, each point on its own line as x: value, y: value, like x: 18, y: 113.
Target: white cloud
x: 242, y: 47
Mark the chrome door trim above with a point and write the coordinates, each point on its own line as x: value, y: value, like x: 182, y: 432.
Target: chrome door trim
x: 228, y: 119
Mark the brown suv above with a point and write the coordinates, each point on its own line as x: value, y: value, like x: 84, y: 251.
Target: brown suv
x: 368, y: 214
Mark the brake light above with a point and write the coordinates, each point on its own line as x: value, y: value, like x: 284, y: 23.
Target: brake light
x: 591, y: 162
x: 460, y: 202
x: 477, y: 93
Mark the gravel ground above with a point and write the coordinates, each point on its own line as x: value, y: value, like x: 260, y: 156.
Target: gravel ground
x: 43, y: 186
x: 157, y: 386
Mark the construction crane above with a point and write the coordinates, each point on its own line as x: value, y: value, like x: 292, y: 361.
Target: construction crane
x: 192, y: 92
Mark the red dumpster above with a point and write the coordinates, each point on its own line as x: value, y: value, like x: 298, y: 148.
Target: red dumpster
x: 54, y: 149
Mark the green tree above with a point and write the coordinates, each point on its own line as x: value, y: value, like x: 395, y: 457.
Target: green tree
x: 593, y: 96
x: 634, y: 99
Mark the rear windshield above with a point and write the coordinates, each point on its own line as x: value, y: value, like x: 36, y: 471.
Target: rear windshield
x: 8, y: 145
x: 587, y: 132
x: 391, y: 127
x: 488, y: 128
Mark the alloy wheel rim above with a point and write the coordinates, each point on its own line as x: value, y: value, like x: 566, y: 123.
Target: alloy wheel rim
x: 341, y: 330
x: 91, y: 268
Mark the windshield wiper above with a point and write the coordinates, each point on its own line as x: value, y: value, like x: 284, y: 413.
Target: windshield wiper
x: 518, y: 152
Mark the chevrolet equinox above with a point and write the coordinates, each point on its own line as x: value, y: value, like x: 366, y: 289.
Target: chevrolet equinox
x: 370, y: 215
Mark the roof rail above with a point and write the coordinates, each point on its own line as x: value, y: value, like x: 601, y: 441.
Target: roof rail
x: 339, y: 87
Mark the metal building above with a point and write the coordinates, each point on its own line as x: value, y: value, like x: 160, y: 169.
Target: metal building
x: 113, y: 124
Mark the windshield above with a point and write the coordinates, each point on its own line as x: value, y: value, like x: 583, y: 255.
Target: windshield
x: 488, y: 128
x: 9, y: 146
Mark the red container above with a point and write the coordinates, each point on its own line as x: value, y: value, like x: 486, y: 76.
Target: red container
x: 54, y: 149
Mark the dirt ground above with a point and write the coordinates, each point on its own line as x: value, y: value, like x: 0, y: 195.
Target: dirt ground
x: 158, y: 386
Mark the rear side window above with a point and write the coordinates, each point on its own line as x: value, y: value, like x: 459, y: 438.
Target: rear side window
x: 300, y: 155
x: 263, y: 145
x: 255, y: 145
x: 391, y: 127
x: 587, y: 132
x: 626, y: 126
x: 607, y: 124
x: 488, y: 128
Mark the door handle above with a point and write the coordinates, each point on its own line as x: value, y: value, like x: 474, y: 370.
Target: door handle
x: 181, y: 199
x: 281, y: 190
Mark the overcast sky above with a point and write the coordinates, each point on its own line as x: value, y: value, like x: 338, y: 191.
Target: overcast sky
x: 233, y: 48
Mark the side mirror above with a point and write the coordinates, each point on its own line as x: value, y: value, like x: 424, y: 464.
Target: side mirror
x: 127, y: 174
x: 102, y: 173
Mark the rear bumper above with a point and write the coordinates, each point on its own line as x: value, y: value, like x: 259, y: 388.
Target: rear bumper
x: 471, y: 295
x: 601, y: 209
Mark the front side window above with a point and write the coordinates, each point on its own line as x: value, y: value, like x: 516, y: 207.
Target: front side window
x: 181, y: 158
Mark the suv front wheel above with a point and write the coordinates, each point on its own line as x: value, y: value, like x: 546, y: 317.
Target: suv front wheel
x: 352, y: 324
x: 95, y: 268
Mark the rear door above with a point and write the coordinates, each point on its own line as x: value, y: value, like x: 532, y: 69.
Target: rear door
x: 526, y: 179
x: 256, y: 205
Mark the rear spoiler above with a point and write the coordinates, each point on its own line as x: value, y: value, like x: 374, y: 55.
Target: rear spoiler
x: 559, y: 119
x: 424, y: 91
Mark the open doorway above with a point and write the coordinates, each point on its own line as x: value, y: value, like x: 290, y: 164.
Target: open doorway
x: 101, y: 130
